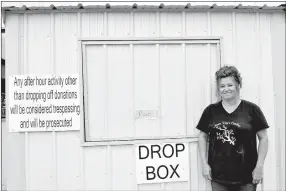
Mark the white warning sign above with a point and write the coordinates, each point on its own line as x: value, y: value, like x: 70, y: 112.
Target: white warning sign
x: 43, y: 103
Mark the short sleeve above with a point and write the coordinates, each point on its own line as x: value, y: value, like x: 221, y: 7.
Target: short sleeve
x: 259, y: 121
x: 204, y: 121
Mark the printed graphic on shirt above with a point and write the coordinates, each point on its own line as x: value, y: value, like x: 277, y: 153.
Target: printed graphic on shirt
x: 226, y: 135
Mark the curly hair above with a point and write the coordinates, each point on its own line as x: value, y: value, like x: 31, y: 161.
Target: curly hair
x: 227, y: 71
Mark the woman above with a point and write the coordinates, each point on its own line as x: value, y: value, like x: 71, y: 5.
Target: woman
x: 231, y: 125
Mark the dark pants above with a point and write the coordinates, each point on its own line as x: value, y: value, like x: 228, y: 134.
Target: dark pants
x: 224, y: 187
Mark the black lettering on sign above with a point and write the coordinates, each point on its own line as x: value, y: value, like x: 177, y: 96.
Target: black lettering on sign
x: 174, y: 171
x: 150, y: 172
x: 140, y: 156
x: 155, y: 151
x: 177, y: 148
x: 164, y: 150
x: 158, y: 172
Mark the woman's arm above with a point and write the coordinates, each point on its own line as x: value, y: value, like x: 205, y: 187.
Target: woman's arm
x: 262, y: 152
x: 206, y: 170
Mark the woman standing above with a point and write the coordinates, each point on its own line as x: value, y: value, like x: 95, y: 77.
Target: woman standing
x: 232, y: 125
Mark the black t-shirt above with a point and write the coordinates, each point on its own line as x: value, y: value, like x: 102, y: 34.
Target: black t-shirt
x: 232, y: 152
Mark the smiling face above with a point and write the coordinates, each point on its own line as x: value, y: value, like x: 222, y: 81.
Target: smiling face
x: 228, y: 88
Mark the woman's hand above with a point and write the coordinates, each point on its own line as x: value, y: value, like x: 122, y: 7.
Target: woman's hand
x: 257, y: 175
x: 207, y: 171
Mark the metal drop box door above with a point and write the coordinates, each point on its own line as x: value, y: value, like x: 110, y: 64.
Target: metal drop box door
x: 147, y: 91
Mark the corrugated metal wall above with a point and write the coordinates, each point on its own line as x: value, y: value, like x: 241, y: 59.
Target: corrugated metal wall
x: 47, y: 44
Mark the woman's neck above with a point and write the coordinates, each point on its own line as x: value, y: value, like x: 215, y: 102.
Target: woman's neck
x: 232, y: 102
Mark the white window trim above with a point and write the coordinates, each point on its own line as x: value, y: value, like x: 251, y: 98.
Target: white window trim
x: 83, y: 42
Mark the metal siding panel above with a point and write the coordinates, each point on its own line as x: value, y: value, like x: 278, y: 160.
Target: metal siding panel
x: 95, y: 168
x: 196, y: 24
x: 65, y: 51
x: 154, y: 186
x: 68, y: 161
x: 96, y: 24
x: 40, y: 161
x: 120, y: 91
x: 172, y: 186
x: 172, y: 77
x: 204, y: 185
x: 221, y: 25
x: 214, y: 66
x: 118, y: 24
x: 198, y: 92
x: 96, y: 80
x: 145, y: 24
x: 39, y: 167
x: 146, y: 87
x: 248, y: 55
x: 173, y: 19
x: 267, y: 102
x: 85, y: 24
x: 278, y: 60
x: 38, y: 44
x: 123, y: 168
x: 194, y: 166
x: 13, y: 143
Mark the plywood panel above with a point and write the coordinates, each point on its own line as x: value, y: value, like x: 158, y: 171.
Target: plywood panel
x: 146, y: 87
x: 68, y: 161
x: 95, y: 168
x: 172, y: 78
x: 120, y: 91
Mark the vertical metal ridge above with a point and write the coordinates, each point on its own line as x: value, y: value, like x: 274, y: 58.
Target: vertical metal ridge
x: 158, y: 22
x: 53, y: 69
x: 52, y: 42
x: 20, y: 48
x: 209, y: 32
x: 25, y: 71
x: 109, y: 167
x: 106, y: 91
x: 186, y: 88
x: 208, y: 85
x: 105, y: 24
x: 234, y: 48
x: 258, y: 43
x: 89, y: 24
x: 159, y: 87
x: 183, y: 26
x: 131, y: 24
x: 25, y: 45
x: 82, y: 130
x: 133, y: 88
